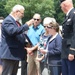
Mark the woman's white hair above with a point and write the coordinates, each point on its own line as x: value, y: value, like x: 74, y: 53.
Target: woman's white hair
x: 48, y: 20
x: 17, y: 7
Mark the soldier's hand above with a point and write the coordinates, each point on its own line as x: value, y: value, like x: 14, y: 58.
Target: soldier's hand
x: 70, y: 57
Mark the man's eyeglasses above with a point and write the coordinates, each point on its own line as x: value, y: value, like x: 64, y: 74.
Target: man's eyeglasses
x: 21, y: 13
x: 48, y: 27
x: 36, y: 19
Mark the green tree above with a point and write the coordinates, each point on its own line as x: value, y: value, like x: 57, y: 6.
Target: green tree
x: 43, y: 7
x: 3, y: 12
x: 74, y: 2
x: 59, y: 15
x: 11, y: 3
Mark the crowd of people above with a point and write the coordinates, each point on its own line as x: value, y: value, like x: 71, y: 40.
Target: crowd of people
x: 41, y: 48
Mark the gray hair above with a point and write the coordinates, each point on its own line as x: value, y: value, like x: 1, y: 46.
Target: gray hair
x: 17, y: 7
x: 48, y: 20
x: 37, y: 14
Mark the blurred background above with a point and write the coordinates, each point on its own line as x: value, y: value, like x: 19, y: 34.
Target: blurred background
x: 43, y: 7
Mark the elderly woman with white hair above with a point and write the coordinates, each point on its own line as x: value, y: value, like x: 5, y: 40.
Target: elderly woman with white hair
x: 53, y: 47
x: 42, y: 44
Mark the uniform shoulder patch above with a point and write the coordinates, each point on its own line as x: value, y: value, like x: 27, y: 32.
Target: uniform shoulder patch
x: 74, y: 12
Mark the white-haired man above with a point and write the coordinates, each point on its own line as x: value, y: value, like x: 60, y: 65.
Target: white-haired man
x: 13, y: 41
x: 68, y: 42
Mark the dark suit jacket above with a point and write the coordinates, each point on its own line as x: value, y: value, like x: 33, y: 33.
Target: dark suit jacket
x: 13, y: 41
x: 54, y: 50
x: 68, y: 34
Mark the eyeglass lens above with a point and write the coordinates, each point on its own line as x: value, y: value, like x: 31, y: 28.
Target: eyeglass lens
x: 47, y: 27
x: 36, y: 19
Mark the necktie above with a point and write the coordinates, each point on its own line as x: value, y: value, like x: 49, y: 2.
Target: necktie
x: 18, y: 24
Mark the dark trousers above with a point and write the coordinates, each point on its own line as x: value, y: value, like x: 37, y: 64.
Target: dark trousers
x: 55, y: 70
x: 23, y: 68
x: 10, y: 67
x: 41, y: 66
x: 68, y: 67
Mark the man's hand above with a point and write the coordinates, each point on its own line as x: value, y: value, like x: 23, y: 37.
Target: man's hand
x: 29, y: 50
x: 30, y: 22
x: 70, y: 57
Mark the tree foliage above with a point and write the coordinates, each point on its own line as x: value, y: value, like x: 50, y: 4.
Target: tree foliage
x: 10, y: 4
x: 3, y: 12
x: 44, y: 7
x: 59, y: 15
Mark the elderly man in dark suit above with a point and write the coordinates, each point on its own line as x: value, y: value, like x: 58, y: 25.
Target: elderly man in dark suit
x: 68, y: 42
x: 13, y: 41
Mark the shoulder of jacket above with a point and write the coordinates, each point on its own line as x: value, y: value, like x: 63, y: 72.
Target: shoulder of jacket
x: 74, y: 12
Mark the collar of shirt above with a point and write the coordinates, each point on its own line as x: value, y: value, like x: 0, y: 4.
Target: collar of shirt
x: 69, y: 11
x: 37, y: 27
x: 13, y: 17
x: 34, y: 33
x: 53, y: 37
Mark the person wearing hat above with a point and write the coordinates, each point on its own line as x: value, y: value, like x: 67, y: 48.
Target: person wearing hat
x: 53, y: 47
x: 68, y: 42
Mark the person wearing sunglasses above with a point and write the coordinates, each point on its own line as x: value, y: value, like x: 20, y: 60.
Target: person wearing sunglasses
x: 43, y: 41
x: 53, y: 48
x: 34, y: 33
